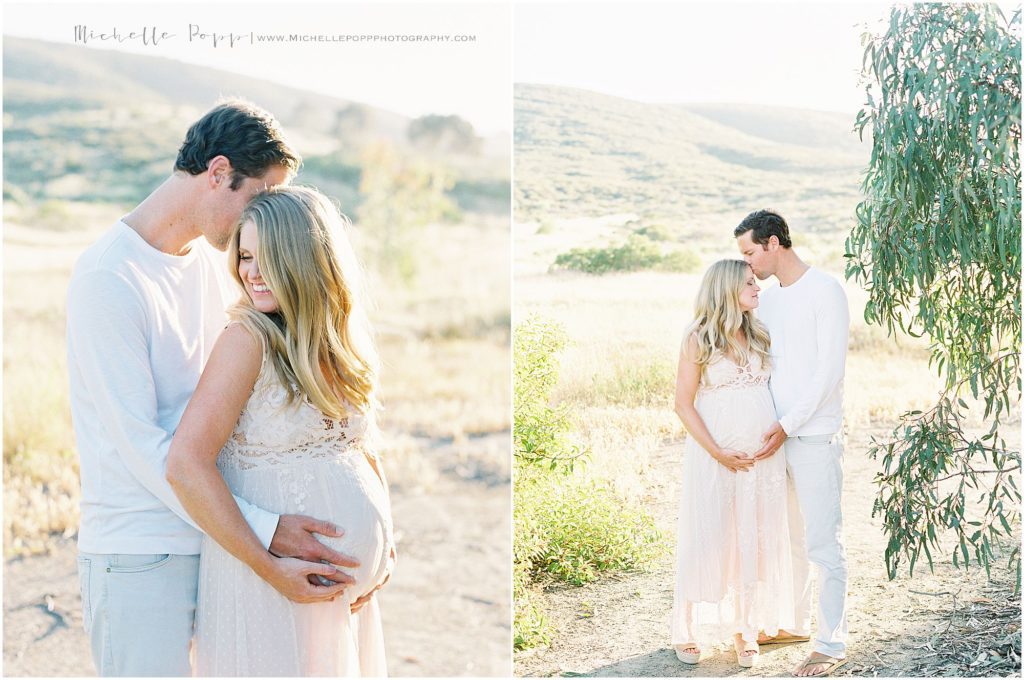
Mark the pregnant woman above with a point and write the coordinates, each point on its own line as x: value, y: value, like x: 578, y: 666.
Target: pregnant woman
x: 284, y: 417
x: 733, y: 570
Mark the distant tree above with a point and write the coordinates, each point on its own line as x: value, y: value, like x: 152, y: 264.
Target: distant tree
x: 937, y: 245
x: 308, y: 116
x: 351, y: 121
x: 400, y: 196
x: 449, y: 134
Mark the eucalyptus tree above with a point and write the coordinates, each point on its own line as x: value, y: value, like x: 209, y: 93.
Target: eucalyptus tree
x: 937, y: 244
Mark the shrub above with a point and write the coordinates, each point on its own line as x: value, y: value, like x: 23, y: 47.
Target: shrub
x: 683, y: 261
x: 637, y: 253
x: 655, y: 232
x: 540, y: 431
x: 565, y: 526
x: 532, y: 627
x: 582, y: 527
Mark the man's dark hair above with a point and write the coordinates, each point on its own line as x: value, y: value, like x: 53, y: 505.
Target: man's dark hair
x: 245, y: 134
x: 765, y: 224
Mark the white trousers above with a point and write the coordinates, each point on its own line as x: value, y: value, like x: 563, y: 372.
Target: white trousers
x: 816, y: 534
x: 139, y: 611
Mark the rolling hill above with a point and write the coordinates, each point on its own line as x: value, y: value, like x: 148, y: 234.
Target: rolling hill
x: 696, y: 167
x: 87, y: 124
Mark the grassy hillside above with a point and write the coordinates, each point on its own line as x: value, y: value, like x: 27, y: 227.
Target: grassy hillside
x: 695, y: 168
x: 92, y: 125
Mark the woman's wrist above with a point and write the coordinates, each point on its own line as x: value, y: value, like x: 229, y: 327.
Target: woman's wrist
x: 263, y: 564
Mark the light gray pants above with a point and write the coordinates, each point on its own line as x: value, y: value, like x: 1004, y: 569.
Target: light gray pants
x: 816, y: 533
x: 139, y: 611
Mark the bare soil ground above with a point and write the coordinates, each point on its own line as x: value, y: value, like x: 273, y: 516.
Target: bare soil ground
x: 446, y: 610
x: 946, y: 623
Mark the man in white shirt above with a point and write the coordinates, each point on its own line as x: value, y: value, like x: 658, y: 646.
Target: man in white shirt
x: 808, y: 318
x: 145, y: 305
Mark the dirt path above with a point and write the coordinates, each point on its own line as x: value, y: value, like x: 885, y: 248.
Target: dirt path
x: 452, y: 585
x: 619, y: 626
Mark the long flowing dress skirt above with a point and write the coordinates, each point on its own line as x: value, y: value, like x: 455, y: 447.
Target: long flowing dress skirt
x: 733, y: 564
x: 246, y: 628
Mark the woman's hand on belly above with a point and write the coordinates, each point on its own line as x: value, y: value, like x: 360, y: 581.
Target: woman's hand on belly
x: 362, y: 601
x: 733, y: 461
x: 293, y: 578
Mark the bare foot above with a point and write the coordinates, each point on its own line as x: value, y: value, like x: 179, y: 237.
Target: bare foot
x: 688, y: 653
x: 817, y: 664
x: 740, y: 644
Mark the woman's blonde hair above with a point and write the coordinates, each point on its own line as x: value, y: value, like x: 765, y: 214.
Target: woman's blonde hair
x: 717, y: 316
x: 319, y: 338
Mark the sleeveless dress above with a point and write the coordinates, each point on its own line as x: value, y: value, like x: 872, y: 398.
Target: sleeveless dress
x: 292, y: 459
x: 733, y: 564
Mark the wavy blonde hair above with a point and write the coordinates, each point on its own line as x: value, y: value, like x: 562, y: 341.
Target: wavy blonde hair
x: 319, y: 339
x: 717, y: 316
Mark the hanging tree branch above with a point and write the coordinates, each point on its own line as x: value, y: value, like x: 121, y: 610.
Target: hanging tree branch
x: 937, y: 246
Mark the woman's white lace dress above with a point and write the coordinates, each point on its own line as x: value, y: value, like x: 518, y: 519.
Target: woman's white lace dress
x: 733, y: 566
x: 294, y: 460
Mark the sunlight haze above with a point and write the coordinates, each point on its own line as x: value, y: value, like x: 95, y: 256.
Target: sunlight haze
x: 469, y: 79
x: 799, y: 55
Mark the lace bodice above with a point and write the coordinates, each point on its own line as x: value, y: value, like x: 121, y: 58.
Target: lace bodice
x: 722, y: 373
x: 290, y: 458
x: 272, y: 432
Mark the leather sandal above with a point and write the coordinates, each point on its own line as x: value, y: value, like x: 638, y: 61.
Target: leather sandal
x: 783, y: 639
x: 829, y: 662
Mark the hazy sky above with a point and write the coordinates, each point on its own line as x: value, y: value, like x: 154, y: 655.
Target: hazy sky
x: 470, y: 79
x: 804, y: 55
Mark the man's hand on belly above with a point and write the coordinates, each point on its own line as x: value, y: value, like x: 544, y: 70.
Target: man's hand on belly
x: 294, y: 538
x: 773, y: 440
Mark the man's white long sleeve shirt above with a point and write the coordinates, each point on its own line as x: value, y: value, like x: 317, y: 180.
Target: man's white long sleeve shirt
x: 140, y: 326
x: 809, y: 323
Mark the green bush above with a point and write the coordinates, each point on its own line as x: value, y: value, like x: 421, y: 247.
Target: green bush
x: 637, y: 253
x: 540, y: 430
x: 655, y: 232
x: 532, y: 627
x: 683, y: 261
x: 582, y: 527
x: 565, y: 525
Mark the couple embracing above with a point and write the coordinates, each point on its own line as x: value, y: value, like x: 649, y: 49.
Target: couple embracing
x: 235, y: 518
x: 761, y: 398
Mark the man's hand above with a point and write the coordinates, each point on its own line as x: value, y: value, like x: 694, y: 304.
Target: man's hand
x: 773, y: 440
x: 289, y: 576
x: 294, y: 538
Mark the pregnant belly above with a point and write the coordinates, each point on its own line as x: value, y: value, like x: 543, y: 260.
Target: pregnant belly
x: 736, y: 419
x: 366, y: 539
x: 344, y: 491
